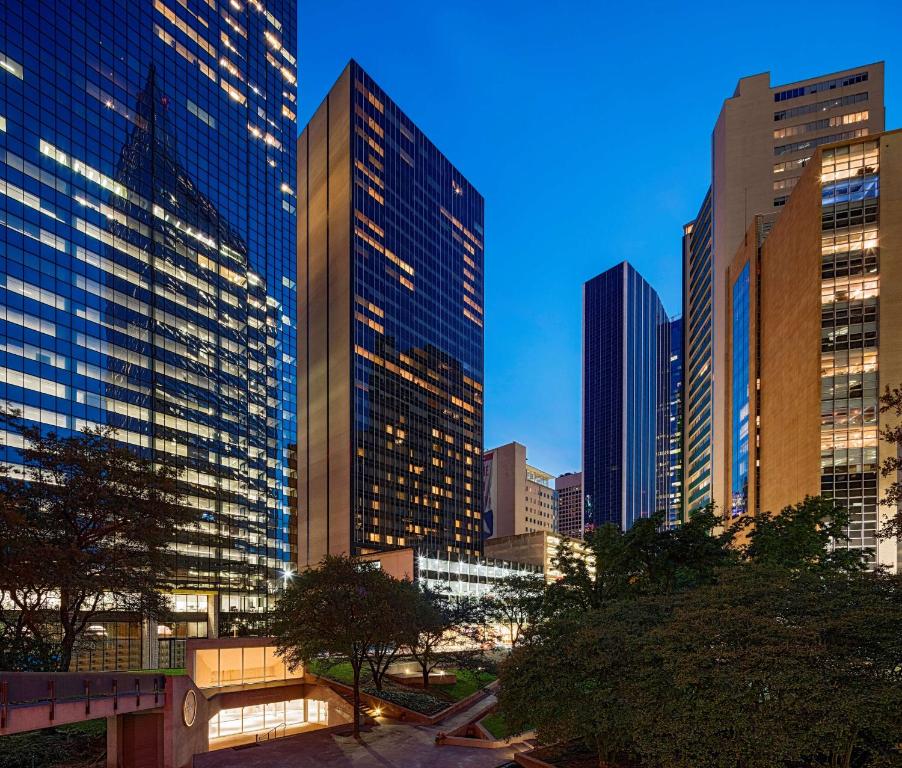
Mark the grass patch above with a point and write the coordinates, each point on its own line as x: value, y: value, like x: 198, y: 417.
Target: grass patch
x: 467, y: 684
x: 342, y: 671
x: 69, y: 746
x: 496, y: 725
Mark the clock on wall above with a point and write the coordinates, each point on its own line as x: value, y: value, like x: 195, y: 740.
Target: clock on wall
x: 189, y: 708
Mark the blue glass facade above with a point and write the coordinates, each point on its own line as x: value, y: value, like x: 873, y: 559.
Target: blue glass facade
x: 147, y: 272
x: 674, y: 509
x: 625, y: 398
x: 739, y: 410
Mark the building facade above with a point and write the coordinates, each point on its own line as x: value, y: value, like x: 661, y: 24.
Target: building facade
x: 390, y: 266
x: 805, y: 417
x: 147, y: 280
x: 519, y: 497
x: 569, y: 489
x: 673, y: 513
x: 540, y: 549
x: 764, y: 137
x: 626, y: 362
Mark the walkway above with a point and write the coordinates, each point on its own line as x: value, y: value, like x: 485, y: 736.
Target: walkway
x: 388, y: 745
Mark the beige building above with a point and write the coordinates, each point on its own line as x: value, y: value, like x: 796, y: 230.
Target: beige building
x: 764, y: 137
x: 518, y: 497
x: 538, y: 548
x: 569, y: 489
x: 813, y: 314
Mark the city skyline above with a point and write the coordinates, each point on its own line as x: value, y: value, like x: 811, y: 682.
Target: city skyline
x: 533, y: 299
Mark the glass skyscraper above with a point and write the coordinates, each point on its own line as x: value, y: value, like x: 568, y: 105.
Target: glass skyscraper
x: 148, y: 273
x: 390, y: 263
x: 674, y: 512
x: 626, y: 399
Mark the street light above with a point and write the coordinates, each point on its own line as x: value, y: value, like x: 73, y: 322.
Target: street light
x: 287, y: 575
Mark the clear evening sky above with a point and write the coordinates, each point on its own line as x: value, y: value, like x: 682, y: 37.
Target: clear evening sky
x: 586, y: 126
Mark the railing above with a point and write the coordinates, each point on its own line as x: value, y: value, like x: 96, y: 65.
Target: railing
x: 271, y: 733
x: 26, y: 690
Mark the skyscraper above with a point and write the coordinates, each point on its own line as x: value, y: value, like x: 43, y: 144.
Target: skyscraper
x: 674, y: 510
x: 626, y: 362
x: 390, y: 264
x: 763, y: 138
x: 147, y: 278
x: 814, y: 316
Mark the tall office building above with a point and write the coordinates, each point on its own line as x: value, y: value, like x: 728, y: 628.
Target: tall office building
x: 763, y: 138
x: 673, y: 513
x: 626, y: 362
x: 519, y: 497
x: 804, y: 415
x: 147, y: 278
x: 390, y: 266
x: 569, y: 489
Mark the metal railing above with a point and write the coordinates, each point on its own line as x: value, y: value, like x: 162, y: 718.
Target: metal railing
x: 271, y: 733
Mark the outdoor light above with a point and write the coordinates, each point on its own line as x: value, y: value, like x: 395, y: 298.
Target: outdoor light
x: 378, y: 711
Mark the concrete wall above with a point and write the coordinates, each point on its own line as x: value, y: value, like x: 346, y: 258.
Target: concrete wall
x: 890, y: 360
x: 790, y: 398
x: 324, y: 331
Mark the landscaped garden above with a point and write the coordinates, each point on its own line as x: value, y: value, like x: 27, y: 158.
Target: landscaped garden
x: 427, y: 702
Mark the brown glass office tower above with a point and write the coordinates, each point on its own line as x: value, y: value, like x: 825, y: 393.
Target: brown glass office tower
x: 390, y: 336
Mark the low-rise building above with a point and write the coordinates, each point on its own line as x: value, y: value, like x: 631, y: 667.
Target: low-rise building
x: 540, y: 549
x: 569, y: 488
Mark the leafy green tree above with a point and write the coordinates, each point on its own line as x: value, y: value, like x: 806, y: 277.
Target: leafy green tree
x: 810, y: 534
x: 438, y: 622
x: 648, y: 558
x: 774, y: 667
x: 397, y: 623
x: 337, y: 609
x: 891, y: 403
x: 85, y: 526
x: 573, y: 680
x: 516, y: 603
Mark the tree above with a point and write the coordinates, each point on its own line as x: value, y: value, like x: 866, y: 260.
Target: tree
x: 810, y: 534
x: 337, y: 609
x: 85, y: 526
x: 516, y: 602
x: 437, y: 621
x: 772, y: 667
x: 396, y: 624
x: 648, y: 557
x: 891, y: 402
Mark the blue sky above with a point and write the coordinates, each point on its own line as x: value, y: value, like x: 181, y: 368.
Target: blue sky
x: 587, y: 129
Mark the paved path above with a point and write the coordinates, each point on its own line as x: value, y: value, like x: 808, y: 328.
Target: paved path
x: 388, y: 745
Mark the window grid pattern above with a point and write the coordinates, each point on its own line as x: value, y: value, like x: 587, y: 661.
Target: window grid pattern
x: 147, y: 280
x: 849, y: 335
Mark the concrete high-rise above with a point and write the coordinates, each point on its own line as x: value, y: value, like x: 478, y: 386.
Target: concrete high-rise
x: 390, y: 337
x: 626, y: 395
x: 814, y: 316
x: 763, y: 139
x: 569, y: 489
x: 147, y: 278
x: 519, y: 497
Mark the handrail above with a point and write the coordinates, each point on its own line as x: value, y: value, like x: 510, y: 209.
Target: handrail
x: 265, y: 736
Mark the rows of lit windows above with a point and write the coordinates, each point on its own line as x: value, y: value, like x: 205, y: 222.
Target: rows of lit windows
x: 158, y: 303
x: 850, y: 288
x: 821, y: 106
x: 819, y: 125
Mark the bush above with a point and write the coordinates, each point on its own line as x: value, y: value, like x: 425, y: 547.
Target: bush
x: 413, y: 700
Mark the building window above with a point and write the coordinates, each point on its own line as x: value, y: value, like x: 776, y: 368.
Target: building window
x: 740, y: 391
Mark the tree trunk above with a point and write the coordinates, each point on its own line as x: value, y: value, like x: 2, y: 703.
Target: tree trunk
x: 425, y: 676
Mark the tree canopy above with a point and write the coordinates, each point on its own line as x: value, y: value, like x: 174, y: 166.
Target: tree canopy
x: 86, y: 525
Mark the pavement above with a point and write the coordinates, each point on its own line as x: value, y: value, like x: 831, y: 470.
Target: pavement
x: 389, y: 744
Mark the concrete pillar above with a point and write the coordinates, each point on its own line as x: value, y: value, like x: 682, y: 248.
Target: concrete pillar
x: 213, y: 614
x: 114, y: 741
x: 150, y: 645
